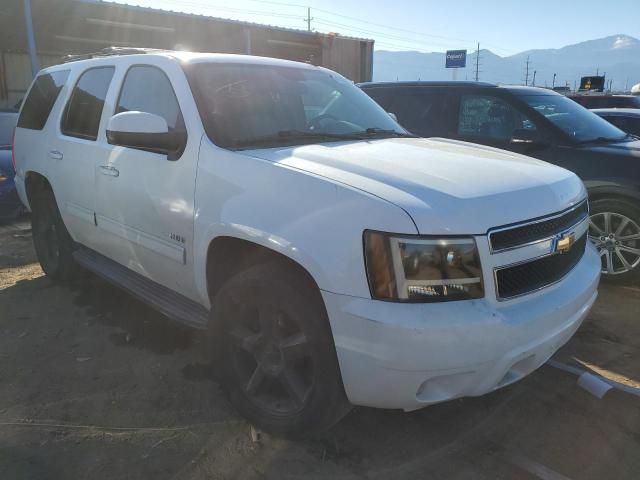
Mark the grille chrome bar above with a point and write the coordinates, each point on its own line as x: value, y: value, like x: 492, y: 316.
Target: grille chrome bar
x: 537, y: 230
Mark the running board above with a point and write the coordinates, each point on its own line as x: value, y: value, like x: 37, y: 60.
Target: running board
x: 171, y: 304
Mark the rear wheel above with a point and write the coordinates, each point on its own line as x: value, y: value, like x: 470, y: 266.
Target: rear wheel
x: 279, y: 361
x: 53, y: 244
x: 614, y: 229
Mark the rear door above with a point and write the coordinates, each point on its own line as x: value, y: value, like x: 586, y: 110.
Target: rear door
x: 144, y: 206
x: 37, y: 117
x: 74, y: 144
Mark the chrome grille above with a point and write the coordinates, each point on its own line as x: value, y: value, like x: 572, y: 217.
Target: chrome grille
x: 515, y: 280
x: 517, y: 235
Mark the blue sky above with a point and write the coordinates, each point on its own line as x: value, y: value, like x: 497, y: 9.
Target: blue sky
x: 503, y: 26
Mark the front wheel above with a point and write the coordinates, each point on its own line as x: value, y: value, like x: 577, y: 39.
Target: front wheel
x: 614, y: 229
x: 278, y: 355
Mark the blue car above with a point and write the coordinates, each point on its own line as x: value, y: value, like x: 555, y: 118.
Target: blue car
x: 10, y: 205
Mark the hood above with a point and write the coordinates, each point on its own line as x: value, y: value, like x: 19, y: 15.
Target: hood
x: 446, y: 186
x: 631, y: 149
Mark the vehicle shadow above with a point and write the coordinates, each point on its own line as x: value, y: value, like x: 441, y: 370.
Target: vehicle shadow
x: 136, y: 324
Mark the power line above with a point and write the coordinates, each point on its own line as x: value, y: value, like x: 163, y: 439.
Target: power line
x: 329, y: 23
x: 334, y: 23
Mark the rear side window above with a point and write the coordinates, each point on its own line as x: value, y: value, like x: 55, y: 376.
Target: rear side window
x: 147, y: 89
x: 423, y: 113
x: 38, y: 104
x: 83, y: 111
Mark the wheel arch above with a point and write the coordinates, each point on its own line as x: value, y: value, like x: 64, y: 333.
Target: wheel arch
x: 228, y: 255
x: 33, y: 183
x: 614, y: 190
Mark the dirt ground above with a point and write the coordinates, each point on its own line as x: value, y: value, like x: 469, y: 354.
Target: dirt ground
x: 93, y: 384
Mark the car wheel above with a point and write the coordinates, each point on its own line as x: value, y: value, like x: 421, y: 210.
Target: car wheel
x: 278, y: 357
x: 53, y: 244
x: 614, y: 228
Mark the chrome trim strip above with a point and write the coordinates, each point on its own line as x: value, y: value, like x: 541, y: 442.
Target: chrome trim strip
x: 533, y: 222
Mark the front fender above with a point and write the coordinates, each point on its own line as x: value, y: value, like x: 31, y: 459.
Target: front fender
x: 316, y: 222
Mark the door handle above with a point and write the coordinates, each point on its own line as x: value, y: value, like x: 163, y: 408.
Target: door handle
x: 55, y: 154
x: 109, y: 170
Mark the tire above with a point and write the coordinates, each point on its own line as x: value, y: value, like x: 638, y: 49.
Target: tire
x: 615, y: 230
x: 277, y: 355
x: 53, y: 244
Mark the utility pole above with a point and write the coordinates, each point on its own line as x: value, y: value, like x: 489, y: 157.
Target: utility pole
x: 526, y: 75
x: 31, y: 39
x: 554, y: 81
x: 478, y: 62
x: 308, y: 19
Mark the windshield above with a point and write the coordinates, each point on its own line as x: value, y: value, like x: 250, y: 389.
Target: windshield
x: 576, y: 121
x: 253, y: 106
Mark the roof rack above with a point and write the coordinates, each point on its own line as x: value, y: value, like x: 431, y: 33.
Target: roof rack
x: 110, y: 52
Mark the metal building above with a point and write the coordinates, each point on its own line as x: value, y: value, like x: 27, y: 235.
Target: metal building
x: 64, y: 27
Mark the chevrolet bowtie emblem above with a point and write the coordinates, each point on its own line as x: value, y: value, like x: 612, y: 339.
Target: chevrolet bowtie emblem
x: 564, y: 242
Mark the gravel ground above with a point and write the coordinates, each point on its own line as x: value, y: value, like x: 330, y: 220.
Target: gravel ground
x: 93, y: 384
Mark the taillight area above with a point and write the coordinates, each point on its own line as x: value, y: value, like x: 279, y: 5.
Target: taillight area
x: 13, y: 151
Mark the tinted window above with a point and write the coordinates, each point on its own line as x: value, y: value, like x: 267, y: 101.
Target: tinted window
x: 147, y: 89
x: 84, y: 108
x: 489, y: 117
x: 42, y: 96
x: 626, y: 124
x: 423, y: 113
x: 634, y: 126
x: 577, y: 122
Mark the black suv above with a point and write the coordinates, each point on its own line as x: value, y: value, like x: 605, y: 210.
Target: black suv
x: 545, y: 125
x: 607, y: 101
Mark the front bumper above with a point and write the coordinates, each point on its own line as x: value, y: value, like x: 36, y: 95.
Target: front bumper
x: 407, y: 356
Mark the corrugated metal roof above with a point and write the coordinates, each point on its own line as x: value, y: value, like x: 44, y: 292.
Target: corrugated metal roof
x: 220, y: 19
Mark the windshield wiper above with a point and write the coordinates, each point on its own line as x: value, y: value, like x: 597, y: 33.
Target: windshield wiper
x: 286, y: 135
x: 602, y: 140
x: 375, y: 131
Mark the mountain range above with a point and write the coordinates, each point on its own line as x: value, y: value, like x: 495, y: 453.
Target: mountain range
x: 617, y: 55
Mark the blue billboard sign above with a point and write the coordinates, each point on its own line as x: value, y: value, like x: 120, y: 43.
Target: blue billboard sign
x: 456, y: 59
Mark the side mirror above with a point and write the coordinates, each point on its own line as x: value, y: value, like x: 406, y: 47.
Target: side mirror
x: 393, y: 115
x: 145, y: 131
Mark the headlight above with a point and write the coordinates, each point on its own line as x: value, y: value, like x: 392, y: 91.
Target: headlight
x: 3, y: 176
x: 422, y: 269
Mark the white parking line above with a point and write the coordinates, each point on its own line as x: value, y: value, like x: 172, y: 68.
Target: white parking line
x: 586, y: 379
x: 534, y: 468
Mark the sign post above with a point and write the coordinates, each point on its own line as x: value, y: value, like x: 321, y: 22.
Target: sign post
x: 455, y: 59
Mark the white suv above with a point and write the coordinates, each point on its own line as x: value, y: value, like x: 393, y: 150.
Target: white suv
x: 334, y: 259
